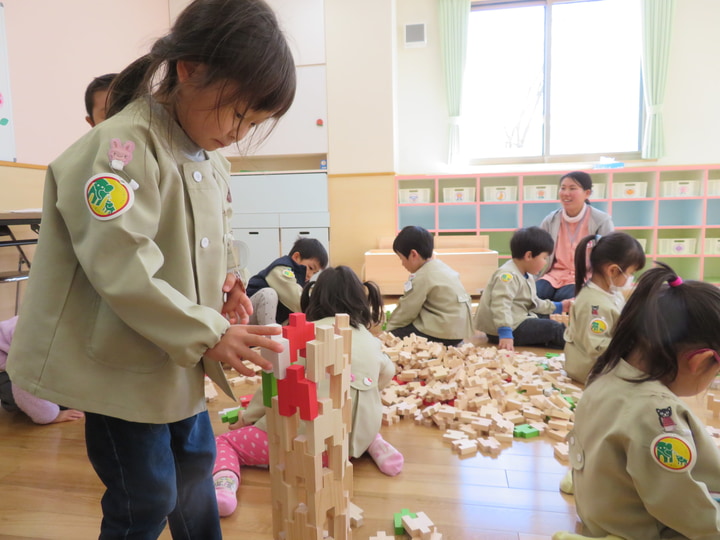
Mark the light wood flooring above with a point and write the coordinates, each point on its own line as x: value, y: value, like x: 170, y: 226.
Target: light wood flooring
x: 49, y: 490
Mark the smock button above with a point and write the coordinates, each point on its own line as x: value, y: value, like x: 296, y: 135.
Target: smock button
x: 579, y: 457
x: 205, y: 242
x: 367, y: 381
x: 197, y: 176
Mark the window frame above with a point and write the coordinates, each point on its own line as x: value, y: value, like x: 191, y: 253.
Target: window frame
x: 487, y: 5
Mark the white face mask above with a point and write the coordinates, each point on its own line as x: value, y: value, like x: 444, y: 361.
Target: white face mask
x: 623, y: 288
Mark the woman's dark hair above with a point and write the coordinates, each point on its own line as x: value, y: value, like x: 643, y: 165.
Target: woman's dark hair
x: 339, y: 290
x: 663, y: 317
x: 414, y: 237
x: 616, y: 248
x: 532, y: 239
x: 581, y: 177
x: 240, y: 43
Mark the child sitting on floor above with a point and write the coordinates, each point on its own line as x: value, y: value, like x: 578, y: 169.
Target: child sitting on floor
x: 337, y: 290
x: 275, y: 291
x: 509, y: 306
x: 13, y: 398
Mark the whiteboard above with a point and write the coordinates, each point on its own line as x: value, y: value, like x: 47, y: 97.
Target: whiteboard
x: 7, y: 128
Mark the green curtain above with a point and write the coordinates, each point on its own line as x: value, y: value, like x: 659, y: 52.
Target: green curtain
x: 657, y: 18
x: 454, y: 15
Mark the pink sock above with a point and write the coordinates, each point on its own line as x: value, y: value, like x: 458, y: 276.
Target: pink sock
x: 226, y: 486
x: 386, y: 456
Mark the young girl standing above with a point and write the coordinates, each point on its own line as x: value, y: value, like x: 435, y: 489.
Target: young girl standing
x: 337, y: 290
x: 644, y: 465
x: 598, y: 301
x: 131, y: 301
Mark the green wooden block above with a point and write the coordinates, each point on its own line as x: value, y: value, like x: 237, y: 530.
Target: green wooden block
x: 525, y: 431
x: 399, y: 528
x: 269, y: 388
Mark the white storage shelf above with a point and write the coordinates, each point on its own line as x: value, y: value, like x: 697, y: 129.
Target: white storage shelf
x: 673, y: 211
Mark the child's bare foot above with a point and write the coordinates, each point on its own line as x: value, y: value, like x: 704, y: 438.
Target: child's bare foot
x: 68, y: 415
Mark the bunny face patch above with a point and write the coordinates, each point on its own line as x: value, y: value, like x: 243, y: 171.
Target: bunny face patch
x: 120, y: 154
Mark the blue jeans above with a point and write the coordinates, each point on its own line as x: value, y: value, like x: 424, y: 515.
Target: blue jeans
x: 155, y: 474
x: 547, y: 291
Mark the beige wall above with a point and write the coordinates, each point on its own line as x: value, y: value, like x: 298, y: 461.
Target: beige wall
x: 362, y: 209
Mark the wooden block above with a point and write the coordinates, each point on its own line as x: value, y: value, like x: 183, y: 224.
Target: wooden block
x: 561, y: 451
x: 419, y: 526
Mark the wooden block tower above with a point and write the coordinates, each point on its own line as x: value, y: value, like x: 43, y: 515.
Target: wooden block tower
x: 310, y: 501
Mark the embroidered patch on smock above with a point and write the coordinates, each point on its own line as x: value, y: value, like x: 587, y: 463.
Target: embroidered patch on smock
x: 287, y: 272
x: 665, y: 418
x: 598, y: 326
x: 505, y: 276
x: 107, y: 196
x: 672, y: 452
x: 120, y: 154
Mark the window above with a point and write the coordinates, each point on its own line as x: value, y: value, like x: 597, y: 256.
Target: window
x: 550, y: 79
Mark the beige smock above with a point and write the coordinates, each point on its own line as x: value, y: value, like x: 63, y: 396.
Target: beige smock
x: 435, y: 302
x: 643, y: 464
x: 509, y: 299
x: 591, y: 321
x: 125, y: 292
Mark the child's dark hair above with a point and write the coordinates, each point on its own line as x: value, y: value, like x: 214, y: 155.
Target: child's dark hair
x: 339, y: 290
x: 414, y: 237
x: 532, y: 239
x: 616, y: 248
x: 240, y: 43
x: 310, y: 248
x: 663, y: 317
x: 102, y: 82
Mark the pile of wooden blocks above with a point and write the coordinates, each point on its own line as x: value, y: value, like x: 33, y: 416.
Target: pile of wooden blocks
x: 482, y: 398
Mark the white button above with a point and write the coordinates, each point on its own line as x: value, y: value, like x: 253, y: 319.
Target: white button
x: 205, y: 242
x: 579, y: 457
x: 197, y: 176
x: 367, y: 381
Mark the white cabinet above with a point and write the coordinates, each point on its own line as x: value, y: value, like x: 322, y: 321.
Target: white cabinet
x: 270, y: 211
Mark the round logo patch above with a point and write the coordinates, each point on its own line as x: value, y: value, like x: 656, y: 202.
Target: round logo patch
x: 672, y: 452
x: 107, y: 196
x: 288, y: 273
x: 598, y: 325
x: 505, y: 276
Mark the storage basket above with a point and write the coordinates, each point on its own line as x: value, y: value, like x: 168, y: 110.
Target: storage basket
x: 713, y: 188
x: 629, y: 190
x: 500, y: 193
x: 676, y: 246
x: 459, y: 194
x: 542, y: 192
x: 414, y: 195
x: 681, y: 188
x: 598, y: 191
x: 712, y: 246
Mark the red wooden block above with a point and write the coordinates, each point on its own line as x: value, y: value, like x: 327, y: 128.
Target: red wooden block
x: 296, y: 392
x: 298, y: 332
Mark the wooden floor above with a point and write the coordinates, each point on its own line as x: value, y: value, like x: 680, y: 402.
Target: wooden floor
x: 49, y: 490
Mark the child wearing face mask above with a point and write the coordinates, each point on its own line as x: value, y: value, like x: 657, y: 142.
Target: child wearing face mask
x: 613, y: 259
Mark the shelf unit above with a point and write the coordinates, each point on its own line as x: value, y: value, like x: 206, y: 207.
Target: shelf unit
x: 674, y: 211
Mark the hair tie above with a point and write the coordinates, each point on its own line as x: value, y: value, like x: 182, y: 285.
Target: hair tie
x: 597, y: 238
x: 675, y: 282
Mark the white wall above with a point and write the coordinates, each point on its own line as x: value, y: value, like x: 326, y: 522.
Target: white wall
x: 692, y: 104
x: 55, y: 48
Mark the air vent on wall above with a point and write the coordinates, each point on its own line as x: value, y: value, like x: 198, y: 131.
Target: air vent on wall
x: 415, y: 35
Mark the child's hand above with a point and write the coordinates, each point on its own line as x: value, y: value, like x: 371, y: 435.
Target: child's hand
x: 237, y: 307
x: 566, y: 305
x: 68, y: 415
x: 240, y: 421
x: 506, y: 344
x: 236, y: 345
